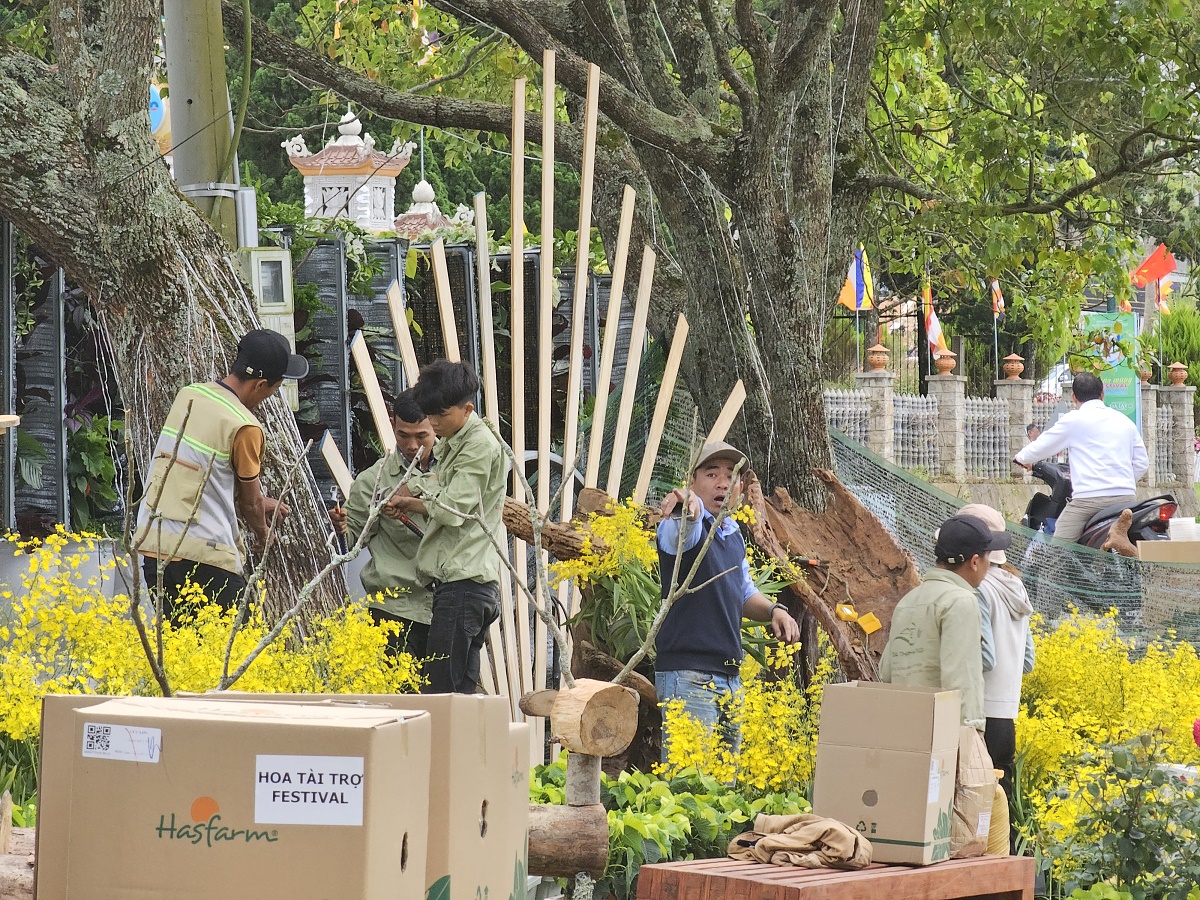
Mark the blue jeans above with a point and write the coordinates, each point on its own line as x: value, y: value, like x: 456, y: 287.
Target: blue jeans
x: 463, y: 611
x: 700, y: 693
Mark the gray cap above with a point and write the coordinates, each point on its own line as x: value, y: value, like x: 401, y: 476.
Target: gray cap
x: 721, y: 450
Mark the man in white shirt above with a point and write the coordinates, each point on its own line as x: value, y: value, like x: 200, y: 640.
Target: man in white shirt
x: 1107, y: 456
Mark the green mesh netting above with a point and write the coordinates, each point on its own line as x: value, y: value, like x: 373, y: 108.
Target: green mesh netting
x: 1151, y: 599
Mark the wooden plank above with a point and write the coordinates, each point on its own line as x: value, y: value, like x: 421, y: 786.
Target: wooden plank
x: 370, y: 382
x: 404, y: 341
x: 728, y: 413
x: 517, y: 390
x: 337, y: 466
x: 661, y: 407
x: 7, y: 422
x: 612, y: 325
x: 546, y: 303
x: 441, y: 282
x: 633, y: 364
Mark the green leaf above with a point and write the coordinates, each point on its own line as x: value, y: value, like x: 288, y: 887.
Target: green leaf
x: 439, y: 890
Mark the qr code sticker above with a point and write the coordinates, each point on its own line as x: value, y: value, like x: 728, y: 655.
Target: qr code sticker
x: 97, y: 738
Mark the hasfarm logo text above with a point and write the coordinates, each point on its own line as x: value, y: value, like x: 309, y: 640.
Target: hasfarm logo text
x: 207, y: 828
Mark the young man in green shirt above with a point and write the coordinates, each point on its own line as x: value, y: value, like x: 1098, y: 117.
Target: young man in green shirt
x: 395, y: 538
x: 458, y: 554
x: 935, y: 636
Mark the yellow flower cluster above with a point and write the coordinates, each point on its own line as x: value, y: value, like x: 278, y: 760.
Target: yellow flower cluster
x: 1092, y: 687
x: 745, y: 514
x: 64, y: 635
x: 778, y: 719
x: 627, y: 542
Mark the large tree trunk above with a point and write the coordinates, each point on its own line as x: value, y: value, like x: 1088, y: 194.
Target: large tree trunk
x: 82, y: 178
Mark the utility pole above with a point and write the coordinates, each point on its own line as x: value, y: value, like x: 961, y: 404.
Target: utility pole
x: 201, y: 114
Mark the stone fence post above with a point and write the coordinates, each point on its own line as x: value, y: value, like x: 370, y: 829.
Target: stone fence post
x: 951, y: 394
x: 1018, y: 394
x: 1150, y: 431
x: 881, y: 426
x: 1180, y: 398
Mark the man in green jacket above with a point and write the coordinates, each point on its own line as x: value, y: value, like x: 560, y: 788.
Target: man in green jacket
x: 395, y: 592
x: 935, y: 637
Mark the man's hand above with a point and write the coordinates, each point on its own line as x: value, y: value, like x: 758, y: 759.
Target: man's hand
x: 403, y: 503
x: 1017, y: 462
x: 340, y: 520
x: 677, y: 497
x: 784, y: 625
x: 270, y: 506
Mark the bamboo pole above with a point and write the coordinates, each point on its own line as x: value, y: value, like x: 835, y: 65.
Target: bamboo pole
x: 441, y: 282
x: 661, y: 407
x: 337, y: 466
x: 579, y: 298
x: 733, y: 406
x: 404, y: 341
x: 502, y: 634
x: 370, y: 383
x: 546, y: 304
x: 516, y: 318
x: 632, y: 366
x: 612, y: 327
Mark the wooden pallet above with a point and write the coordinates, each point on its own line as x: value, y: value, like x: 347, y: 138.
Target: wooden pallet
x: 985, y: 878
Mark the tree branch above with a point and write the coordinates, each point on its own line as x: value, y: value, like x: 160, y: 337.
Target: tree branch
x: 721, y: 46
x: 755, y: 42
x: 469, y: 59
x: 647, y: 48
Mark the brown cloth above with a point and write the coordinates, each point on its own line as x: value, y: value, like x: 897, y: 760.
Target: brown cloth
x: 811, y: 842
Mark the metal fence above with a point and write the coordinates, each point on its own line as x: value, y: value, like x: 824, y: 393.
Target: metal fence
x: 916, y: 432
x: 896, y: 327
x: 985, y: 434
x: 849, y: 412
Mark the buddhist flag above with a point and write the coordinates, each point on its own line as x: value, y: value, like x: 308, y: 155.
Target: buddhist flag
x: 933, y: 328
x: 1157, y: 265
x: 859, y: 290
x: 997, y: 302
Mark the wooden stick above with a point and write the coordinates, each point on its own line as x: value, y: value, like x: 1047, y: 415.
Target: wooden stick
x: 516, y: 278
x: 337, y: 466
x: 441, y: 281
x: 502, y: 634
x: 612, y: 327
x: 579, y: 298
x: 661, y: 407
x: 404, y: 341
x: 728, y: 413
x: 633, y: 364
x: 370, y: 383
x: 546, y: 303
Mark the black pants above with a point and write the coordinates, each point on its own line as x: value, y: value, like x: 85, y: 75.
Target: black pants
x: 462, y: 613
x: 1000, y: 736
x: 411, y: 640
x: 222, y: 587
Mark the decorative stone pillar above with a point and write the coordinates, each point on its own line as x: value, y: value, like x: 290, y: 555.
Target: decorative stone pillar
x: 1150, y: 430
x: 1018, y: 394
x: 879, y: 386
x: 1180, y: 398
x: 951, y: 394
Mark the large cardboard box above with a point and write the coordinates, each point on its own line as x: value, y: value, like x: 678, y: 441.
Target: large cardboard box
x: 190, y: 800
x: 478, y: 788
x: 886, y: 759
x: 1170, y: 551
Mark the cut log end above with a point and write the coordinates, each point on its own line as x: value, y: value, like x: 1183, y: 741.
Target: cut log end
x: 595, y: 717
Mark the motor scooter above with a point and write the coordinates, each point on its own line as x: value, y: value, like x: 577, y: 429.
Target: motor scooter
x: 1150, y: 517
x: 1056, y: 576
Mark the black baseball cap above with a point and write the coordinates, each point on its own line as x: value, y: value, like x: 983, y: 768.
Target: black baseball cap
x: 962, y: 537
x: 267, y: 354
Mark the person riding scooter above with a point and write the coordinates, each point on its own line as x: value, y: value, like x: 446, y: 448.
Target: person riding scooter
x: 1107, y: 456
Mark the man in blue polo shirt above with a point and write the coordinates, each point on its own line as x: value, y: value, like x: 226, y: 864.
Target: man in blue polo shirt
x: 699, y: 647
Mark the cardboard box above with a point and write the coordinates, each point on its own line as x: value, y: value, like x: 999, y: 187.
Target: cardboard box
x: 186, y: 799
x: 478, y: 788
x: 886, y: 760
x: 1170, y: 551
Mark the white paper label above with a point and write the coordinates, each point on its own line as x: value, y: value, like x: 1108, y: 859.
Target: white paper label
x: 127, y: 742
x: 308, y: 790
x: 985, y: 824
x: 935, y: 782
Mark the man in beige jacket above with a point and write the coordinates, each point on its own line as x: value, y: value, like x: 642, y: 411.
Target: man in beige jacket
x: 935, y: 637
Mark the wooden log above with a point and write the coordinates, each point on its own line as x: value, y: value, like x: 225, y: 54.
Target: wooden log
x: 567, y: 840
x: 6, y: 811
x: 562, y: 540
x: 595, y: 717
x: 538, y: 703
x: 583, y: 780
